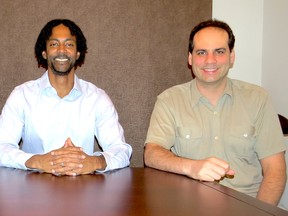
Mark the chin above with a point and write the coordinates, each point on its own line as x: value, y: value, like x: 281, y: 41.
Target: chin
x: 61, y: 73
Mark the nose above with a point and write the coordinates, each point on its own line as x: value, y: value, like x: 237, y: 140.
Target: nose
x: 210, y: 58
x: 61, y: 48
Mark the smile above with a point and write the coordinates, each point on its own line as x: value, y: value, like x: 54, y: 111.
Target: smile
x: 61, y: 59
x: 210, y: 70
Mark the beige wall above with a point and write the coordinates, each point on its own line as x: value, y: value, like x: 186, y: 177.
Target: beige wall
x: 274, y: 60
x: 136, y: 49
x: 261, y: 33
x: 245, y: 17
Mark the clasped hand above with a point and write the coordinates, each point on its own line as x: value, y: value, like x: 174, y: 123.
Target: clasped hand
x: 67, y: 160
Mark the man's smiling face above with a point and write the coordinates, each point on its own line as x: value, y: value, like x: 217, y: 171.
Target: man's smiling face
x: 61, y: 51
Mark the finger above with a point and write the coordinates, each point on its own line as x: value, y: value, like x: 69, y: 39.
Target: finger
x: 215, y: 175
x: 221, y: 163
x: 211, y: 172
x: 74, y: 165
x: 210, y: 177
x: 61, y: 170
x: 230, y: 173
x: 66, y: 164
x: 77, y: 170
x: 68, y: 151
x: 55, y: 173
x: 68, y: 142
x: 218, y: 171
x: 206, y: 174
x: 72, y: 173
x: 81, y: 171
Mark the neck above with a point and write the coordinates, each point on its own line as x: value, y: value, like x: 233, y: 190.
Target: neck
x: 212, y: 91
x: 62, y: 84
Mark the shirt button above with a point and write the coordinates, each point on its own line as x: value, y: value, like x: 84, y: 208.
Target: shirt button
x: 215, y: 112
x: 187, y: 136
x: 245, y: 135
x: 216, y: 137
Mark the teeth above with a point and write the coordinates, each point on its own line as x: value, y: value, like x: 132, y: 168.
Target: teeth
x: 61, y: 60
x: 210, y: 70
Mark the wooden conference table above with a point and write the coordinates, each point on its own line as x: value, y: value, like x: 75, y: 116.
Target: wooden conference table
x: 128, y: 191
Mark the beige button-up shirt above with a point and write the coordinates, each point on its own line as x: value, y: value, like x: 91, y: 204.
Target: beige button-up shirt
x: 242, y: 129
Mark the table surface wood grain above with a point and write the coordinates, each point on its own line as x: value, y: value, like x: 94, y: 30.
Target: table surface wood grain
x: 128, y: 191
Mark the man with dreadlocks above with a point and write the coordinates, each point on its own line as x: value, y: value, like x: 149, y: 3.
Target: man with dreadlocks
x: 59, y: 115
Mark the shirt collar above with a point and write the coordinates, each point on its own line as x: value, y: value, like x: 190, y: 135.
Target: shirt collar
x: 196, y: 95
x: 43, y: 81
x: 46, y: 86
x: 229, y: 90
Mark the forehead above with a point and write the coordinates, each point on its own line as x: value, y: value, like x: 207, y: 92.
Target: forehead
x: 211, y: 37
x: 61, y: 31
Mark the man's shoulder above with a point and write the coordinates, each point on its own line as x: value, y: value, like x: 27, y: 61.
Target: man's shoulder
x: 176, y: 90
x: 28, y: 85
x: 33, y: 85
x: 93, y: 93
x: 243, y: 87
x: 90, y: 88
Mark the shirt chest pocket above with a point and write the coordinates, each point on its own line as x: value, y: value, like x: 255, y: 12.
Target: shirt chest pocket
x: 188, y: 133
x: 188, y: 140
x: 240, y: 140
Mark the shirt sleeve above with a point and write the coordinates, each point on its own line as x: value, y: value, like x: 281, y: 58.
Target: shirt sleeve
x: 110, y: 136
x: 270, y: 139
x: 161, y: 128
x: 11, y: 126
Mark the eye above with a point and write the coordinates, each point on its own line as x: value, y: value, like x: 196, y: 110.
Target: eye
x: 53, y: 44
x: 69, y: 44
x: 220, y: 51
x: 201, y: 52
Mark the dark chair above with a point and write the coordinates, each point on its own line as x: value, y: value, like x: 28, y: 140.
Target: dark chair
x: 284, y: 124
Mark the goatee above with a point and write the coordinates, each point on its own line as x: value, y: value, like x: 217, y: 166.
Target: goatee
x: 59, y: 72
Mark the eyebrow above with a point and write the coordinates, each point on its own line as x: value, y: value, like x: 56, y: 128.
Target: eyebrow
x: 217, y: 49
x: 56, y: 39
x: 197, y: 50
x: 223, y: 48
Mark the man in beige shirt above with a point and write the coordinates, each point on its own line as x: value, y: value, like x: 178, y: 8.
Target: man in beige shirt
x: 215, y: 128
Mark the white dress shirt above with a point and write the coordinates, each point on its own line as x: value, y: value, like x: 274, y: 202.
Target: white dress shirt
x: 37, y: 115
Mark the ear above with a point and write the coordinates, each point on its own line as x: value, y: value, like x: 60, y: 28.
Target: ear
x: 232, y: 58
x: 77, y: 55
x: 190, y: 58
x: 44, y: 55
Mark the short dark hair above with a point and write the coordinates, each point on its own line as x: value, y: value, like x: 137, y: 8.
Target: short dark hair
x: 45, y: 34
x: 212, y: 23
